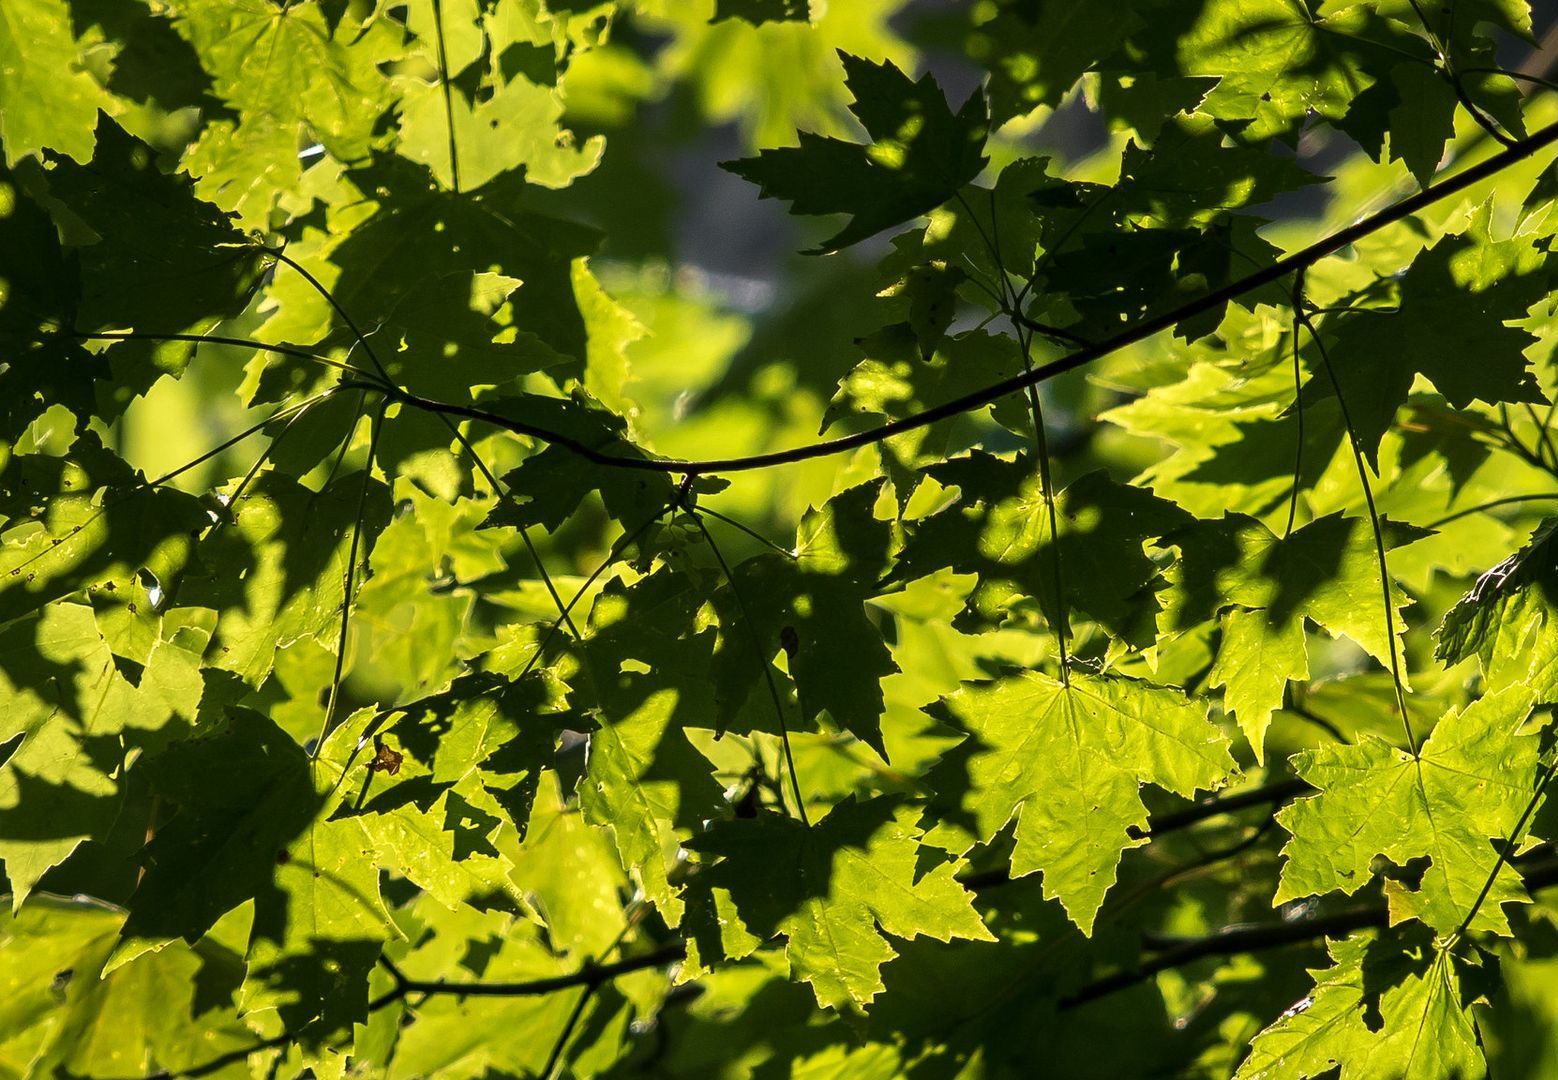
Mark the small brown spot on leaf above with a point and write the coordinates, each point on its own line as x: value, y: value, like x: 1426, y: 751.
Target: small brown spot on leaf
x: 386, y: 760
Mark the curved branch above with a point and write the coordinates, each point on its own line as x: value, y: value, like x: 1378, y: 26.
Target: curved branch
x: 1256, y: 937
x: 589, y: 975
x: 1147, y: 328
x: 1231, y: 941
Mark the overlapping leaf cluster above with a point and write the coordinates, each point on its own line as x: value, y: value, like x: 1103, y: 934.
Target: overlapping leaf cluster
x: 433, y: 641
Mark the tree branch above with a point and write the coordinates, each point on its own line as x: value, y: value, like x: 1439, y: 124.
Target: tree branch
x: 1147, y: 328
x: 1231, y: 941
x: 1257, y: 937
x: 589, y: 975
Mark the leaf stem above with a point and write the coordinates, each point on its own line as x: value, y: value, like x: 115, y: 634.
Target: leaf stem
x: 765, y: 663
x: 362, y: 339
x: 346, y: 594
x: 217, y: 339
x: 1298, y: 409
x: 501, y: 490
x: 1374, y: 519
x: 625, y: 541
x: 1508, y: 500
x: 554, y: 1060
x: 448, y: 92
x: 753, y: 533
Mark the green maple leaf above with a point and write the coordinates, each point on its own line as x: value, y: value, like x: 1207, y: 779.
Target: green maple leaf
x: 1422, y: 120
x: 908, y: 371
x: 295, y: 543
x: 998, y: 528
x: 550, y: 485
x: 1278, y: 62
x: 287, y: 74
x: 484, y: 730
x: 507, y: 1035
x: 252, y: 823
x: 1457, y: 299
x: 1217, y: 414
x: 379, y: 264
x: 171, y: 1010
x: 1068, y: 762
x: 1256, y: 659
x: 812, y: 607
x: 244, y: 795
x: 39, y: 292
x: 515, y: 126
x: 1036, y: 51
x: 1456, y: 804
x: 47, y: 99
x: 446, y: 850
x: 1507, y: 621
x: 828, y: 888
x: 921, y: 154
x: 80, y: 718
x: 1393, y: 1006
x: 1325, y: 572
x: 899, y: 379
x: 573, y: 874
x: 646, y: 782
x: 318, y: 929
x: 152, y: 256
x: 1189, y: 177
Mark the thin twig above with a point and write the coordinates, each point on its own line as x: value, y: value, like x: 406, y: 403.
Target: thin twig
x: 1298, y: 450
x: 753, y: 533
x: 336, y: 306
x: 501, y: 491
x: 346, y: 594
x: 218, y: 339
x: 1374, y: 518
x: 1508, y: 500
x: 554, y: 1060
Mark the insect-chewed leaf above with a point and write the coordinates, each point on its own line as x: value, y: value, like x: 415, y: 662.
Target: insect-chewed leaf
x: 167, y: 1010
x: 1507, y: 619
x: 920, y: 155
x: 827, y: 889
x: 83, y: 520
x: 1067, y: 762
